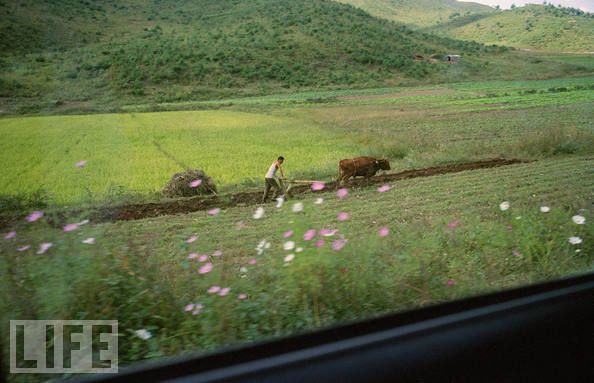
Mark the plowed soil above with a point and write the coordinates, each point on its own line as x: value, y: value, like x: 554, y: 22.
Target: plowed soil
x: 187, y: 205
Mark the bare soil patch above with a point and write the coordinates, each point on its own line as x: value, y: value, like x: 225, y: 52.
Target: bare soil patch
x: 191, y: 204
x: 187, y: 205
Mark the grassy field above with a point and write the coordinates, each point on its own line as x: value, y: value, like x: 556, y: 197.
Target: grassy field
x: 135, y: 154
x: 138, y: 153
x: 447, y: 238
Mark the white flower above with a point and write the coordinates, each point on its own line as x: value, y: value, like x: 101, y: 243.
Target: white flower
x: 289, y: 245
x: 243, y: 269
x: 197, y: 309
x: 297, y: 207
x: 578, y: 219
x: 575, y: 240
x: 279, y: 201
x: 143, y: 334
x: 319, y: 201
x: 89, y: 241
x: 503, y: 206
x: 299, y: 250
x: 259, y: 213
x: 264, y: 244
x: 44, y: 247
x: 545, y: 209
x: 289, y: 257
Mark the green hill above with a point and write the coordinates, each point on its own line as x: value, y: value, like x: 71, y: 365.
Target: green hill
x: 540, y: 27
x: 98, y: 55
x: 420, y: 13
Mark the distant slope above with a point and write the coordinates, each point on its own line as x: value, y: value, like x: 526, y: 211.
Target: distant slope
x: 171, y: 50
x: 77, y: 54
x: 538, y: 27
x: 420, y: 13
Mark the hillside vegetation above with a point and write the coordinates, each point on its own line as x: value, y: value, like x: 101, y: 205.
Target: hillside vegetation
x: 420, y: 13
x: 539, y: 27
x: 534, y: 26
x: 96, y: 56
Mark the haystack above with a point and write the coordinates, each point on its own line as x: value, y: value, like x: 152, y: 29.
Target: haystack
x: 181, y: 184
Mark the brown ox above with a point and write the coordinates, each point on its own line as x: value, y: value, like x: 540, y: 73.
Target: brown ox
x: 360, y: 166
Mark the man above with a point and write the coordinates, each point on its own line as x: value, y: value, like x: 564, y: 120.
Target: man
x: 270, y: 179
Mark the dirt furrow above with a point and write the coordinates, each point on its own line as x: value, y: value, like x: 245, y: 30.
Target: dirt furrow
x: 187, y: 205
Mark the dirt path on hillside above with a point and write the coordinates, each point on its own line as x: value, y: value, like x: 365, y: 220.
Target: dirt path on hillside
x: 187, y: 205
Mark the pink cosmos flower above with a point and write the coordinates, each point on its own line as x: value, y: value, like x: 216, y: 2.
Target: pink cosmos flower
x: 338, y: 244
x: 203, y: 258
x: 341, y: 193
x: 206, y: 268
x: 34, y: 216
x: 81, y: 164
x: 189, y: 307
x: 242, y: 296
x: 451, y: 282
x: 309, y: 235
x: 89, y: 241
x: 214, y: 211
x: 44, y: 247
x: 23, y: 248
x: 224, y: 291
x: 192, y: 239
x: 252, y: 261
x: 196, y: 183
x: 70, y: 227
x: 382, y: 232
x: 10, y: 235
x: 320, y: 243
x: 342, y: 216
x: 384, y: 188
x: 327, y: 232
x: 217, y: 253
x: 193, y: 256
x: 240, y: 225
x: 454, y: 224
x: 318, y: 186
x: 288, y: 233
x: 214, y: 289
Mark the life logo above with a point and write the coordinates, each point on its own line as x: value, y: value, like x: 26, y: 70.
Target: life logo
x: 63, y: 346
